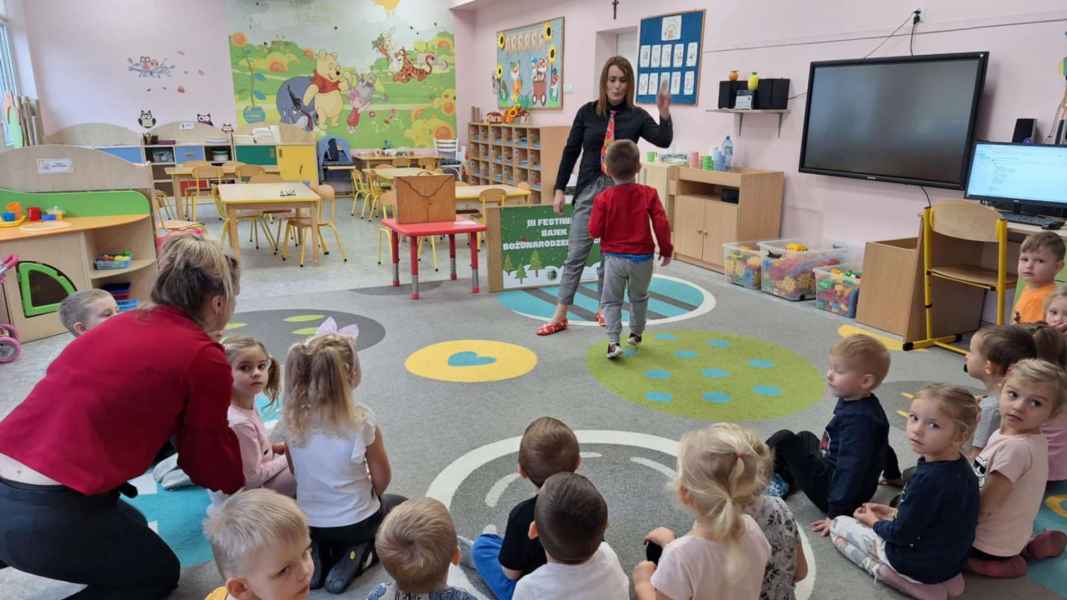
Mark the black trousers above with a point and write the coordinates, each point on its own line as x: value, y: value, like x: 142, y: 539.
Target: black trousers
x: 99, y: 541
x: 334, y: 542
x: 798, y: 460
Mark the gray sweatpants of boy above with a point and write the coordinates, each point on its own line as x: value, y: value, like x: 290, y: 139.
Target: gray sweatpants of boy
x: 620, y: 276
x: 579, y: 243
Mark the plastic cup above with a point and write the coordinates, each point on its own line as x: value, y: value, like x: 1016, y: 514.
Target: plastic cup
x: 650, y: 157
x: 34, y: 213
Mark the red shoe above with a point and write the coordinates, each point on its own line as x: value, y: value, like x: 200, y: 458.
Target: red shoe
x: 1047, y: 544
x: 600, y: 320
x: 1011, y: 568
x: 551, y: 328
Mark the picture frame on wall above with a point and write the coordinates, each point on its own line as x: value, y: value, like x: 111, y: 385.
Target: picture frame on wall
x: 670, y: 48
x: 529, y: 66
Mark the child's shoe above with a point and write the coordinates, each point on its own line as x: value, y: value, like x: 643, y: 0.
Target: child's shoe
x: 355, y: 560
x: 920, y: 591
x: 614, y: 351
x: 634, y: 340
x: 1047, y: 544
x: 778, y: 487
x: 1011, y: 568
x: 319, y: 573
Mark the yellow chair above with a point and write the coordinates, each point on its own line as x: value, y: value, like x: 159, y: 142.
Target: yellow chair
x: 524, y: 185
x: 359, y: 189
x: 402, y: 162
x: 428, y: 163
x: 387, y: 201
x: 247, y: 172
x: 301, y: 225
x: 253, y: 216
x: 970, y: 222
x: 272, y: 214
x: 205, y: 179
x: 374, y: 194
x: 495, y: 196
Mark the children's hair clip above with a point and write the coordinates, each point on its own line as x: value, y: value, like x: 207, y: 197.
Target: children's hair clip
x: 330, y: 326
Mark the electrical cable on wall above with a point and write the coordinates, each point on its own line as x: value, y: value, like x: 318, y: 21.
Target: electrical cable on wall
x: 928, y: 203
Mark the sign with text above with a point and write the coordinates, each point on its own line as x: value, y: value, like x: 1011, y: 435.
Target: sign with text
x: 54, y: 166
x: 529, y: 246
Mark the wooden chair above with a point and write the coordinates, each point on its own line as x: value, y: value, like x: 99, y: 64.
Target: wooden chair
x: 428, y: 163
x: 272, y: 214
x: 301, y: 226
x: 374, y: 194
x: 247, y: 172
x: 964, y: 222
x: 495, y: 196
x: 253, y: 216
x: 205, y: 179
x: 266, y: 178
x: 359, y: 190
x: 525, y: 185
x: 402, y: 162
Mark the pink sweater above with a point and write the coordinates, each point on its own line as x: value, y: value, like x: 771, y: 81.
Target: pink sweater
x: 1056, y: 433
x: 257, y: 454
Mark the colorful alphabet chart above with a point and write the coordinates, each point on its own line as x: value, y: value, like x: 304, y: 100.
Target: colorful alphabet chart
x: 669, y: 57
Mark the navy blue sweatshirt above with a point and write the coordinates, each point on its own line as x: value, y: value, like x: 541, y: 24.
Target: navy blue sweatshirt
x: 587, y: 138
x: 935, y: 523
x: 854, y: 444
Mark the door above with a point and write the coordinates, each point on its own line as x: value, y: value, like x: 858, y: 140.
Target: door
x: 297, y: 163
x: 720, y: 225
x: 689, y: 226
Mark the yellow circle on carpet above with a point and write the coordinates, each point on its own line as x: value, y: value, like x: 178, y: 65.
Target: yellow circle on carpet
x: 471, y: 361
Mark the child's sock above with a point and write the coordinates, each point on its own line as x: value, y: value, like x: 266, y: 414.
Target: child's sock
x: 1000, y: 569
x: 921, y: 591
x: 1046, y: 544
x: 955, y: 586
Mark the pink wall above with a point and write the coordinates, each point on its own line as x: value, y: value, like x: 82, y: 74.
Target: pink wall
x: 80, y: 52
x: 780, y: 39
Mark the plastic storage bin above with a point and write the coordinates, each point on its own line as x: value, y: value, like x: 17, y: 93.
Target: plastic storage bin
x: 837, y: 289
x: 741, y: 262
x: 788, y: 267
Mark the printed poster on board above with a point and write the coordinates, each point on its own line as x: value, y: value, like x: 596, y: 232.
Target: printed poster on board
x: 529, y: 66
x: 534, y: 246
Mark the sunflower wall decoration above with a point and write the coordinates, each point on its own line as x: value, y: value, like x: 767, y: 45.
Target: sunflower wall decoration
x: 529, y: 66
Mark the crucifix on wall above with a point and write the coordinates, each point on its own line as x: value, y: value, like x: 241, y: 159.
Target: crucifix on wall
x: 615, y: 9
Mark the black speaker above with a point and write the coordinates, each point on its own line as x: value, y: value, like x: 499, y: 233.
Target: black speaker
x: 772, y: 94
x: 728, y: 92
x: 1025, y: 131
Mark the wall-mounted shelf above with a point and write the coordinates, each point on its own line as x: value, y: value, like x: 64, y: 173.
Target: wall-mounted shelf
x: 741, y: 112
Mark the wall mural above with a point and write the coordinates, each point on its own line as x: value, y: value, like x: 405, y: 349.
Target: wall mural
x: 378, y: 73
x: 529, y: 66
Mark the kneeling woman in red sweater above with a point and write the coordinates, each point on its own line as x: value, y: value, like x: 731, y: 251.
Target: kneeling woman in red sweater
x: 104, y: 408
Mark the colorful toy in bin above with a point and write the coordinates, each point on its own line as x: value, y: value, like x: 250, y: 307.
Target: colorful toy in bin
x: 119, y: 260
x: 787, y: 270
x: 742, y: 263
x: 12, y: 215
x: 837, y: 289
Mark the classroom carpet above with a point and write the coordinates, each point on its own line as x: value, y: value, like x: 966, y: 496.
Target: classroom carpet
x: 454, y: 378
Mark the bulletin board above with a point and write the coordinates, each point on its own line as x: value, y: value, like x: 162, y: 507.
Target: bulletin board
x: 669, y: 47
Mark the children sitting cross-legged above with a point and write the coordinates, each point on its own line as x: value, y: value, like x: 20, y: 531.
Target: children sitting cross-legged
x: 417, y: 543
x: 725, y: 554
x: 992, y: 353
x: 840, y: 472
x: 570, y: 519
x: 1040, y: 258
x: 920, y: 547
x: 261, y: 546
x: 255, y: 372
x: 1052, y: 346
x: 338, y: 458
x: 84, y: 310
x: 548, y: 447
x: 1012, y: 472
x: 787, y: 564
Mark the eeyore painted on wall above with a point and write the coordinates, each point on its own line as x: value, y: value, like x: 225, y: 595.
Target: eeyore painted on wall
x: 291, y: 107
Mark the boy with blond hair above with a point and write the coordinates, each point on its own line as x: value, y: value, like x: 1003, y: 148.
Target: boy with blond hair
x: 262, y: 547
x: 81, y: 311
x: 1040, y: 258
x: 416, y: 543
x: 548, y: 447
x: 840, y: 472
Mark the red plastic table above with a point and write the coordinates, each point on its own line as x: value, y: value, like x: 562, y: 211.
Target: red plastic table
x: 416, y: 230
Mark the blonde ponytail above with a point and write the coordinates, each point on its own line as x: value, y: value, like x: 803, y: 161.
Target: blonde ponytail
x: 319, y: 376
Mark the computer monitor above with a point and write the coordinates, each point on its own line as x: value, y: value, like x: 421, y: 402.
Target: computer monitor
x: 1026, y: 174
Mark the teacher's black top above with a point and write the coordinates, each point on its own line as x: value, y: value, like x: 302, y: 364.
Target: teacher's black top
x: 587, y: 138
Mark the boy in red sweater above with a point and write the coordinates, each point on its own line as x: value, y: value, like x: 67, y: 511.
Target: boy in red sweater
x: 621, y: 220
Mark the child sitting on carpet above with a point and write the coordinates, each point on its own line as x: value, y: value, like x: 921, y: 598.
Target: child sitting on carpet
x: 548, y: 447
x: 623, y: 218
x: 1056, y: 309
x: 840, y: 472
x: 992, y: 353
x: 81, y: 311
x: 920, y: 547
x: 261, y: 546
x: 570, y: 519
x: 337, y: 456
x: 1012, y: 471
x: 1040, y: 258
x: 1052, y: 346
x: 787, y: 564
x: 255, y: 372
x: 725, y: 554
x: 417, y: 543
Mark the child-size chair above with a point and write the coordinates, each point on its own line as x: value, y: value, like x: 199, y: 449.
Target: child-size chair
x: 301, y: 225
x: 253, y: 216
x: 428, y: 163
x: 374, y: 193
x: 272, y: 214
x: 966, y: 225
x: 402, y: 162
x: 359, y: 190
x: 495, y: 196
x: 525, y: 185
x: 388, y: 204
x: 205, y: 179
x: 247, y: 172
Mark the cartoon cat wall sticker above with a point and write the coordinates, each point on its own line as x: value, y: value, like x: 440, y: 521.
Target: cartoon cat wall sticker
x: 146, y: 119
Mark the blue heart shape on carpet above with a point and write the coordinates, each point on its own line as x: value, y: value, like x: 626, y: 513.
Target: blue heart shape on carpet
x: 469, y: 359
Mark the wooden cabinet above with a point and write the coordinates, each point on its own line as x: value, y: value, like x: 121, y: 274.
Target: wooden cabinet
x: 296, y: 162
x: 659, y: 176
x: 711, y: 208
x: 257, y: 154
x: 510, y: 154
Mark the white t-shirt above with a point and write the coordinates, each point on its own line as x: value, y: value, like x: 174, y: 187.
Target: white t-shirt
x: 332, y: 476
x: 694, y: 568
x: 599, y: 578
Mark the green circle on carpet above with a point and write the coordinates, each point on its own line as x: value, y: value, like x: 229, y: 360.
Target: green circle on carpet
x: 710, y: 375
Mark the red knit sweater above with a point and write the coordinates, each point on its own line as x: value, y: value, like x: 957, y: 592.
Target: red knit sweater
x: 621, y: 216
x: 108, y: 403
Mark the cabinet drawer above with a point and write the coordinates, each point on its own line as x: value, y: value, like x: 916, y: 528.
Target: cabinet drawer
x: 187, y: 153
x: 257, y: 155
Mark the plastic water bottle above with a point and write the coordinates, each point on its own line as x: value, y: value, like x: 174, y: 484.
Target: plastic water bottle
x: 727, y: 153
x: 720, y: 160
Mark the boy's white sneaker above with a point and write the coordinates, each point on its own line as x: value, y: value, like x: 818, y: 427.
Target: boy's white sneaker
x: 614, y: 351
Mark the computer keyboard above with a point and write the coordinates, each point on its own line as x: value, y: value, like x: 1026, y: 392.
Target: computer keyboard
x: 1036, y: 220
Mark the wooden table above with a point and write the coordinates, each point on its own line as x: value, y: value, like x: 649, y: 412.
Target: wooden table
x: 474, y: 192
x: 390, y: 173
x: 181, y: 173
x: 245, y: 196
x: 370, y: 161
x: 416, y: 230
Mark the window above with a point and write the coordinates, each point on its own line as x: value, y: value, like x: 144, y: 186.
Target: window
x: 8, y: 82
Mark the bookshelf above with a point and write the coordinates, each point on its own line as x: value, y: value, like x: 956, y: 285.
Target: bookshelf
x: 510, y: 154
